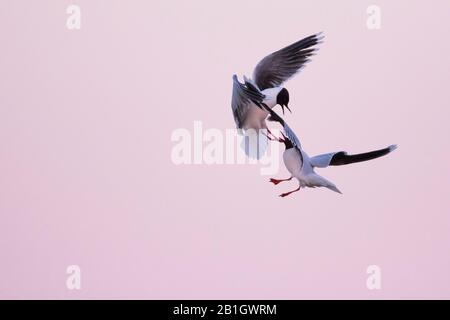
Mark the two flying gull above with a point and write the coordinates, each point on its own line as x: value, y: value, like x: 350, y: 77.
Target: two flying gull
x: 252, y: 103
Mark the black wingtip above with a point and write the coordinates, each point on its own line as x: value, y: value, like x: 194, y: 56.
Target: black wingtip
x: 392, y: 147
x: 342, y: 158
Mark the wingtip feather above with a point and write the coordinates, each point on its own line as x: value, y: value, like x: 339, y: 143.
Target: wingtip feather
x: 392, y: 147
x: 319, y: 36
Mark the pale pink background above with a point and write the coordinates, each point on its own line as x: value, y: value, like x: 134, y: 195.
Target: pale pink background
x: 86, y: 175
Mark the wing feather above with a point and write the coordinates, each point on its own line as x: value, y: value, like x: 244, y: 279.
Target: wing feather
x: 244, y: 94
x: 281, y: 65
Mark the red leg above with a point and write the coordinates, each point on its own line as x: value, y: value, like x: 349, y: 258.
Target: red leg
x: 271, y: 139
x: 274, y: 137
x: 288, y: 193
x: 276, y: 181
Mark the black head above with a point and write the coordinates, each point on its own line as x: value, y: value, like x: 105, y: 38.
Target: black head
x: 283, y: 99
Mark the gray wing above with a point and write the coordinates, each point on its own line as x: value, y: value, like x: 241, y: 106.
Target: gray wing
x: 342, y: 158
x: 243, y: 96
x: 279, y: 66
x: 291, y: 135
x: 322, y: 160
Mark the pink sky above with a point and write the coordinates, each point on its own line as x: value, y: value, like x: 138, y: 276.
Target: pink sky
x: 86, y: 175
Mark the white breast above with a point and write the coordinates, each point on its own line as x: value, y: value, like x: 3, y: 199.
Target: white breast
x: 292, y: 161
x: 255, y: 118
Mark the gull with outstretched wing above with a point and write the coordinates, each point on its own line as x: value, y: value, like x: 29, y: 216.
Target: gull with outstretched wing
x: 266, y: 87
x: 301, y: 166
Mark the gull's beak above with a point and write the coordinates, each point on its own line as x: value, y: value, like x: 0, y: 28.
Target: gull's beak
x: 287, y: 107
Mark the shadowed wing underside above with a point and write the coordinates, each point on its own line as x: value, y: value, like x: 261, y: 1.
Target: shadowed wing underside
x: 244, y: 96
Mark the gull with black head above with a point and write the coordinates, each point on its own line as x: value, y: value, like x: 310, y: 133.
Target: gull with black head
x: 266, y: 87
x: 301, y: 166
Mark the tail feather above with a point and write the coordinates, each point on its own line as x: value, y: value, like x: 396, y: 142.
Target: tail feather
x: 315, y: 180
x: 334, y: 188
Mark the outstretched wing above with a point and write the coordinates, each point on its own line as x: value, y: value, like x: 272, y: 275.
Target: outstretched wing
x: 343, y: 158
x: 243, y: 96
x: 279, y: 66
